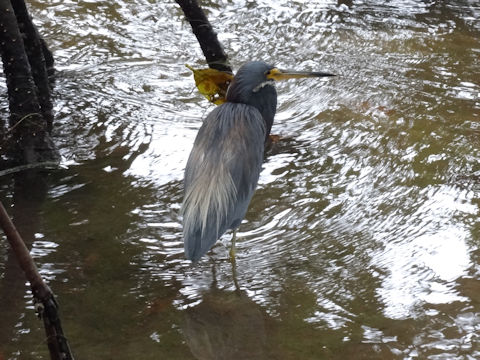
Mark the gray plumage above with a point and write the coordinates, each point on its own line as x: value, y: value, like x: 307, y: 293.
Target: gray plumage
x: 221, y: 175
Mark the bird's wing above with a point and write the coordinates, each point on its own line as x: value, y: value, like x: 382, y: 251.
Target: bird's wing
x: 221, y: 175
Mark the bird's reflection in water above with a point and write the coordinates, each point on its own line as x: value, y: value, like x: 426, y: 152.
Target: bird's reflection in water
x: 227, y: 324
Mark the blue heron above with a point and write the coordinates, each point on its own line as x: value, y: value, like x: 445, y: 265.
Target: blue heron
x: 225, y: 163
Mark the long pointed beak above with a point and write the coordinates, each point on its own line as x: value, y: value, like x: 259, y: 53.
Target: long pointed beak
x: 277, y: 74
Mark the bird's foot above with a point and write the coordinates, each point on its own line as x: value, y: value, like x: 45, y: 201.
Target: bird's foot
x: 274, y: 138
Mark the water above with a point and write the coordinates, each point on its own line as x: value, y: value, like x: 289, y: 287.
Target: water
x: 362, y: 240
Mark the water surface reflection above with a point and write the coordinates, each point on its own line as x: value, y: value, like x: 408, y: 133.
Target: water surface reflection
x: 362, y: 240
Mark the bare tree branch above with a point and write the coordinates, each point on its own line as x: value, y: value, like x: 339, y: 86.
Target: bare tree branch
x: 46, y: 304
x: 206, y: 36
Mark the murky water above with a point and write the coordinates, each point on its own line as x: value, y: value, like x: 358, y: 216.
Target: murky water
x: 362, y: 240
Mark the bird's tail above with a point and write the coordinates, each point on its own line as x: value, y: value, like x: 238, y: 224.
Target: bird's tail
x: 205, y: 207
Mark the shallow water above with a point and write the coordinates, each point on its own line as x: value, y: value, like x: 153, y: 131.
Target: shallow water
x: 362, y: 240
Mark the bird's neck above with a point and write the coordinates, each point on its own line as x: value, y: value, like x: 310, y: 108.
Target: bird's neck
x: 264, y: 100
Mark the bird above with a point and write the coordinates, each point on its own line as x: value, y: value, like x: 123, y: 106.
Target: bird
x: 224, y: 165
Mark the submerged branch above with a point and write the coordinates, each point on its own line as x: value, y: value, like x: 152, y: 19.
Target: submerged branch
x: 46, y: 304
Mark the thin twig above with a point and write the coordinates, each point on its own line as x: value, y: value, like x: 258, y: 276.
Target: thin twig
x: 43, y: 164
x: 9, y: 130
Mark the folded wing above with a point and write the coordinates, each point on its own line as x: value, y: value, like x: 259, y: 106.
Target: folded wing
x: 221, y: 175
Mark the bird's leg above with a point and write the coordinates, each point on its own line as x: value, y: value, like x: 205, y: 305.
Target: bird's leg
x: 234, y: 276
x: 232, y: 249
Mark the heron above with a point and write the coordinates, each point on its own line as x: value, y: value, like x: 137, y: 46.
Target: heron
x: 224, y: 165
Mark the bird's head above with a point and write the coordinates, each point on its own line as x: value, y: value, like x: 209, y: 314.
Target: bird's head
x: 249, y: 82
x: 254, y: 84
